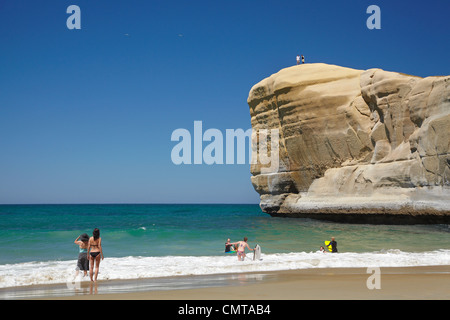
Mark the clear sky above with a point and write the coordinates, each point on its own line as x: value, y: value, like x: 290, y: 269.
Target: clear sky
x: 86, y: 116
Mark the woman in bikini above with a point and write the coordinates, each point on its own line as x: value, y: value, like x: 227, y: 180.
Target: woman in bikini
x: 94, y: 252
x: 241, y: 249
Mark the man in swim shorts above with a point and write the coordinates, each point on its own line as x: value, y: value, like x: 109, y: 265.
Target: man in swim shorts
x: 241, y: 248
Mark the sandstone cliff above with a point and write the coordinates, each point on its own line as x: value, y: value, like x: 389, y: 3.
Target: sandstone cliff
x: 354, y: 145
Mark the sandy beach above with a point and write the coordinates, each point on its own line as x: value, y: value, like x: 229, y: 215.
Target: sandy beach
x: 399, y: 283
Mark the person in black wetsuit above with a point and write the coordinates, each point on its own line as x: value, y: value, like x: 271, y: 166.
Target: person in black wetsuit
x: 333, y: 244
x: 228, y: 246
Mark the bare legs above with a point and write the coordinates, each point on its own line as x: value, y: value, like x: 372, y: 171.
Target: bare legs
x: 95, y: 260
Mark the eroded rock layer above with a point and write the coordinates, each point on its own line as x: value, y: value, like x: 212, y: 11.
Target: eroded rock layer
x: 354, y: 145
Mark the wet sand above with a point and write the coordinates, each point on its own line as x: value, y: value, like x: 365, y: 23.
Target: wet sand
x: 400, y: 283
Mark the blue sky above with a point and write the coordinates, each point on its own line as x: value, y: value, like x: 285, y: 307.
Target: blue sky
x: 86, y: 115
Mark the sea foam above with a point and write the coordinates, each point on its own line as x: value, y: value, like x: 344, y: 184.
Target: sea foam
x: 55, y: 272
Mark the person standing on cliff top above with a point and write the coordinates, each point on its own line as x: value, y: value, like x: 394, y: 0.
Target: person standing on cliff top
x: 298, y: 59
x: 303, y: 59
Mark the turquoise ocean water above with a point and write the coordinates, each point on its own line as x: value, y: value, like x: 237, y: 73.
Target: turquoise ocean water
x: 154, y: 240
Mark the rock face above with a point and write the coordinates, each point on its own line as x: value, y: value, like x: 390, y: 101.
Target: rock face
x: 354, y: 145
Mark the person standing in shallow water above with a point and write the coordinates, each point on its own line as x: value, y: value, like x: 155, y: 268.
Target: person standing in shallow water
x: 241, y: 249
x: 95, y: 252
x: 333, y: 244
x: 83, y: 260
x: 229, y: 246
